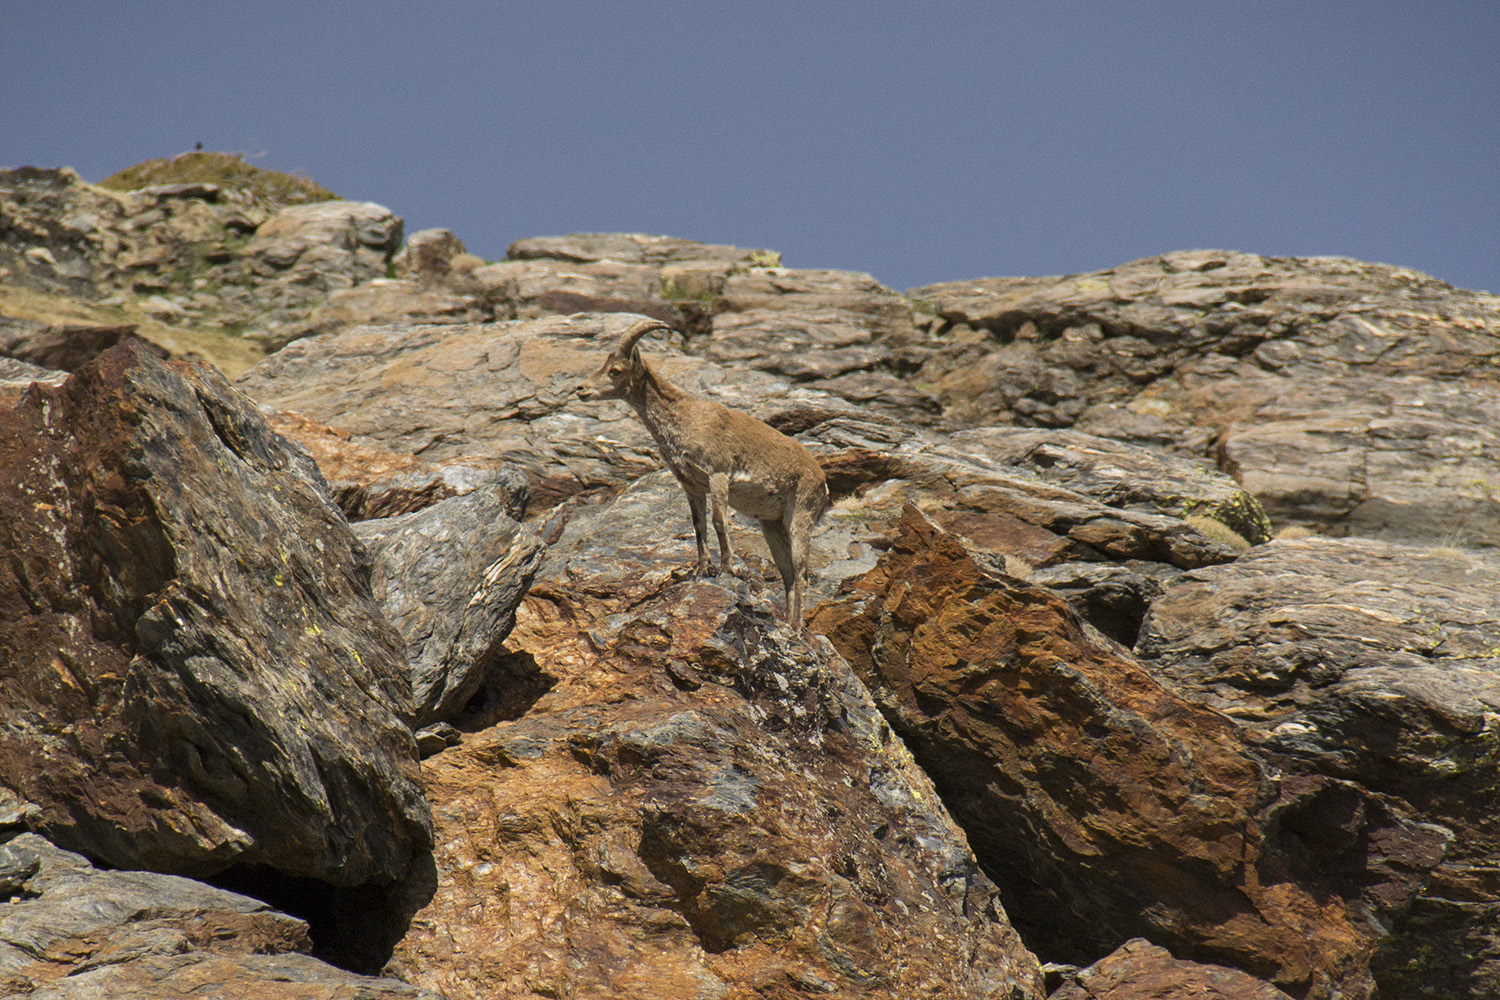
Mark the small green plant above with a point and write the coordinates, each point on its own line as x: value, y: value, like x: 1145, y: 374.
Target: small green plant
x: 228, y: 170
x: 765, y: 258
x: 672, y: 291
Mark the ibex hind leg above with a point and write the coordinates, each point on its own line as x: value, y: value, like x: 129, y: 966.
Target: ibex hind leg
x: 779, y: 541
x: 718, y: 496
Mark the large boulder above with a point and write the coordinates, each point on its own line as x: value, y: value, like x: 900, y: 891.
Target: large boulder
x: 1379, y: 665
x: 1104, y: 805
x: 699, y: 802
x: 197, y: 674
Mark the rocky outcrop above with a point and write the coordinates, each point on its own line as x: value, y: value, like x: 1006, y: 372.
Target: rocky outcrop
x: 198, y: 676
x: 68, y: 929
x: 1056, y: 663
x: 1321, y: 656
x: 200, y: 255
x: 1106, y: 806
x: 840, y: 331
x: 700, y: 803
x: 1348, y: 397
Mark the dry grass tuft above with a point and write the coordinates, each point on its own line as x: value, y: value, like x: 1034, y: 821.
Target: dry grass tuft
x: 228, y: 170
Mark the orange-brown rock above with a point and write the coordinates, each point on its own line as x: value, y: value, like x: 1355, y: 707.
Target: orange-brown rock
x: 1139, y: 970
x: 1103, y: 805
x: 700, y: 804
x: 369, y: 482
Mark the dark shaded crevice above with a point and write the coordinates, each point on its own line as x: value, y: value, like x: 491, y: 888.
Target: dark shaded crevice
x: 512, y: 684
x: 355, y: 928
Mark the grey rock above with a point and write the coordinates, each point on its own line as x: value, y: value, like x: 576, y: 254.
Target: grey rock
x: 630, y: 248
x: 1352, y: 398
x: 71, y: 932
x: 428, y: 255
x: 449, y: 578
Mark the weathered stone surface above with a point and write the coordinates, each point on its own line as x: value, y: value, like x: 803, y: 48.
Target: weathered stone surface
x: 65, y: 347
x: 70, y: 931
x: 1125, y: 476
x: 1356, y: 398
x: 802, y: 289
x: 387, y: 300
x: 1105, y: 806
x: 56, y: 231
x: 197, y: 260
x: 428, y: 255
x: 702, y: 804
x: 529, y: 288
x: 504, y: 392
x: 305, y: 253
x: 196, y: 673
x: 848, y: 353
x: 1378, y: 664
x: 369, y: 482
x: 1139, y: 970
x: 449, y: 578
x: 629, y: 248
x: 16, y: 378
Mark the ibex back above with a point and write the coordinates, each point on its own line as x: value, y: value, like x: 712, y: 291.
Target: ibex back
x: 722, y: 457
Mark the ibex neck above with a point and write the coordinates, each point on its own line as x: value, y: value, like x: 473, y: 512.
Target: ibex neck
x: 655, y: 399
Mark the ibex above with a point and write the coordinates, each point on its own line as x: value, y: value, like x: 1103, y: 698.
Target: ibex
x: 723, y: 456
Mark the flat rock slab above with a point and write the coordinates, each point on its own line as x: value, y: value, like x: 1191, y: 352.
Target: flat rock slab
x: 197, y: 674
x: 1355, y: 398
x: 69, y: 931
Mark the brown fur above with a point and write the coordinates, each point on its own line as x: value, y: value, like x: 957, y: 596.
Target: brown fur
x: 722, y: 458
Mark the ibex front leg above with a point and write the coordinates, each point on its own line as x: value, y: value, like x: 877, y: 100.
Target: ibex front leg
x: 698, y: 504
x: 718, y: 494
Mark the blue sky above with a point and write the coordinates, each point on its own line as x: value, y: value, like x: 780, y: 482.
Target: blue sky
x: 918, y: 142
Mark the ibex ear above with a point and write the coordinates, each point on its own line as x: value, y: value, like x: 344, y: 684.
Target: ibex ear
x: 635, y: 356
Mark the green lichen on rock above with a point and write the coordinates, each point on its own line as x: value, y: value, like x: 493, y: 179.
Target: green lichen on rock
x: 1241, y: 515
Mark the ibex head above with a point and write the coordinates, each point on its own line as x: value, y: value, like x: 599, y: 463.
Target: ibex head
x: 623, y: 366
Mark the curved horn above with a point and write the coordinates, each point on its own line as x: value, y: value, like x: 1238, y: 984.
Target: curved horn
x: 637, y: 330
